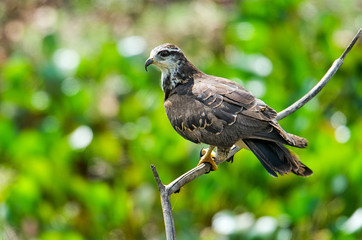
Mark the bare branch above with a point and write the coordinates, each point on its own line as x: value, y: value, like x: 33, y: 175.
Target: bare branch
x: 317, y: 88
x: 157, y: 178
x: 175, y: 186
x: 166, y: 206
x: 350, y: 46
x: 188, y: 177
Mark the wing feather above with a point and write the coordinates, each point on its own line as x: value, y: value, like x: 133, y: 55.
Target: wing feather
x: 209, y: 104
x: 228, y: 99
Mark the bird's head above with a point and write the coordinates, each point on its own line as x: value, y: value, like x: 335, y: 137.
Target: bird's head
x: 167, y: 57
x: 175, y: 68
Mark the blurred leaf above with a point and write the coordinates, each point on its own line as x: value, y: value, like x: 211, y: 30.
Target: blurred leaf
x: 105, y: 190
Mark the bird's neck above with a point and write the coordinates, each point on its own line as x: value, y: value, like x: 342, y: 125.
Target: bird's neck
x: 181, y: 74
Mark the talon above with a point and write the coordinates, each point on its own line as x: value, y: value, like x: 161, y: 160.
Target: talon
x: 208, y: 156
x: 203, y: 151
x: 230, y: 159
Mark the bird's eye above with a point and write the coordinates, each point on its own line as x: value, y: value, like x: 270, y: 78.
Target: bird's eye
x: 164, y: 53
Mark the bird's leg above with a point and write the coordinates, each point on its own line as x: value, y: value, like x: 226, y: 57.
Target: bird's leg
x: 208, y: 157
x: 222, y: 154
x: 234, y: 149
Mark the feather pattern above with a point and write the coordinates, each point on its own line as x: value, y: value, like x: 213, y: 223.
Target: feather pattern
x: 219, y: 112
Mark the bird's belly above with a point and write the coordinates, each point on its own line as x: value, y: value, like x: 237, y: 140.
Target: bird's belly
x: 202, y: 136
x: 224, y: 139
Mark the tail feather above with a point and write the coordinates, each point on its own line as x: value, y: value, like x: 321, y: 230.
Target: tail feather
x: 276, y: 158
x: 278, y: 134
x: 299, y: 142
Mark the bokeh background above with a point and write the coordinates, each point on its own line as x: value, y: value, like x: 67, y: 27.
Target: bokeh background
x: 81, y: 121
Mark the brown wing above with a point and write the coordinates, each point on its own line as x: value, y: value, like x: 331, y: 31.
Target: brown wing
x: 201, y: 109
x: 228, y: 99
x: 191, y: 118
x: 231, y: 103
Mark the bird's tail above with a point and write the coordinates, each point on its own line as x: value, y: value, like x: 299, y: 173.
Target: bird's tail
x: 277, y: 134
x: 276, y: 158
x: 297, y: 141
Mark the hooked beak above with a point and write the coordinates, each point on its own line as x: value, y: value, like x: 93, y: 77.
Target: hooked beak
x: 148, y: 63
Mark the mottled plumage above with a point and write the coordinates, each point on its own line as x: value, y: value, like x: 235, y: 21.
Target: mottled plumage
x: 220, y: 112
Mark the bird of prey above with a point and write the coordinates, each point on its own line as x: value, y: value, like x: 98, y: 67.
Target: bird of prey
x: 221, y: 113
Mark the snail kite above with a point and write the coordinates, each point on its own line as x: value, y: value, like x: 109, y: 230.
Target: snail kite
x: 221, y: 113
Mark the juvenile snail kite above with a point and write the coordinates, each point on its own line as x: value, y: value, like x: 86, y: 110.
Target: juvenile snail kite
x: 221, y: 113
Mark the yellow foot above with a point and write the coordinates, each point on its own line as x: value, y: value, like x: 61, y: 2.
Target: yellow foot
x: 207, y: 156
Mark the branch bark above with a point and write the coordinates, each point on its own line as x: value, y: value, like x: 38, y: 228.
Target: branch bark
x: 167, y: 190
x: 166, y: 205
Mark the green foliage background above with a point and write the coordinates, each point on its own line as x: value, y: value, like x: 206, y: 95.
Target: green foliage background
x: 81, y: 121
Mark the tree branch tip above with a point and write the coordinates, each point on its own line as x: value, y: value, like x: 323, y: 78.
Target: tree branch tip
x: 157, y: 178
x: 154, y: 170
x: 351, y: 44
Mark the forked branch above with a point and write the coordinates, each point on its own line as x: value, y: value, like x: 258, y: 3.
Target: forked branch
x: 167, y: 190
